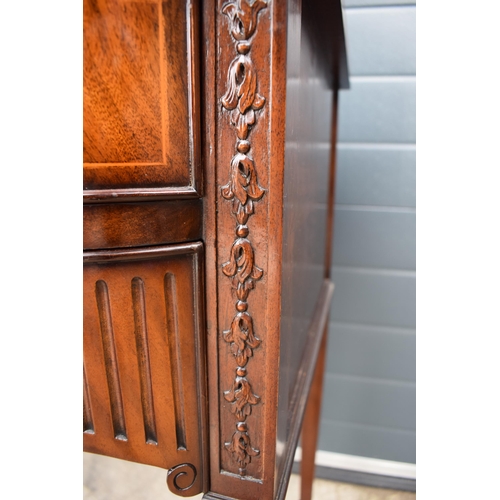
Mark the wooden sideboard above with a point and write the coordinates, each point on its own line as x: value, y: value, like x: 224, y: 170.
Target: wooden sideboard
x: 209, y: 174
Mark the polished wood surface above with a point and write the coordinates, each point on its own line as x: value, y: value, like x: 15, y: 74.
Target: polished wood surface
x: 206, y: 192
x: 310, y: 426
x: 307, y: 223
x: 313, y: 410
x: 249, y: 61
x: 302, y: 387
x: 144, y: 387
x: 305, y: 206
x: 141, y: 224
x: 141, y: 104
x: 323, y: 20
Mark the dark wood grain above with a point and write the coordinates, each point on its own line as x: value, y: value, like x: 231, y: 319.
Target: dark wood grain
x: 144, y: 358
x: 210, y: 109
x: 203, y: 121
x: 310, y: 427
x: 141, y: 98
x: 303, y: 385
x: 119, y: 225
x: 263, y: 70
x: 332, y: 178
x: 313, y: 409
x: 323, y: 20
x: 306, y: 216
x: 257, y: 46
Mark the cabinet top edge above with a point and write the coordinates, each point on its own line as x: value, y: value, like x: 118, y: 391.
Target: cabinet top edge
x: 324, y: 22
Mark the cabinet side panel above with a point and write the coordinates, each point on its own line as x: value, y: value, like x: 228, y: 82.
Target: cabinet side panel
x: 307, y: 151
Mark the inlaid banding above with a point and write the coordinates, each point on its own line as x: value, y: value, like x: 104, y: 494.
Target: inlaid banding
x: 110, y: 360
x: 174, y: 345
x: 141, y: 340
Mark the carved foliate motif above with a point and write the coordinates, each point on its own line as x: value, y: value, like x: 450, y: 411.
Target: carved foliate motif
x: 241, y: 396
x: 240, y: 447
x: 243, y: 17
x: 243, y: 101
x: 241, y: 96
x: 243, y: 186
x: 242, y: 338
x: 241, y: 263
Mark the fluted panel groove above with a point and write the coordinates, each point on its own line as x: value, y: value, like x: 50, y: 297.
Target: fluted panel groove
x: 141, y: 340
x: 110, y: 361
x: 174, y: 345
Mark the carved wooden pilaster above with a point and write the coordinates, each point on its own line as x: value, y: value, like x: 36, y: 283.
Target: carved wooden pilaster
x: 242, y: 103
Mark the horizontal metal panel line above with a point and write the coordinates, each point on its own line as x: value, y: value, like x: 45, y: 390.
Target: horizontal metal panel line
x: 377, y: 270
x: 363, y: 270
x: 396, y: 430
x: 369, y: 380
x: 310, y: 81
x: 374, y: 324
x: 354, y: 206
x: 376, y: 145
x: 400, y: 146
x: 381, y: 78
x: 379, y: 6
x: 348, y: 206
x: 385, y: 329
x: 376, y: 208
x: 359, y: 463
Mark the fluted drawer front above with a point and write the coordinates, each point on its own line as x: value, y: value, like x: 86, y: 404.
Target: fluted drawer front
x: 143, y: 359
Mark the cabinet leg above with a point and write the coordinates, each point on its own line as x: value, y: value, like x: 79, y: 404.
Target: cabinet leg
x: 310, y: 427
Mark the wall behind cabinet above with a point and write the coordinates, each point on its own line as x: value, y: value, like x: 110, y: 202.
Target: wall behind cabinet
x: 369, y: 403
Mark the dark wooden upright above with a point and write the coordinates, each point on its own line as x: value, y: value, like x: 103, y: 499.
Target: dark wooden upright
x: 209, y: 170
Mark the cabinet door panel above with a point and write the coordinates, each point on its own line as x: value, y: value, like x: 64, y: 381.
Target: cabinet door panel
x: 140, y: 97
x: 143, y: 357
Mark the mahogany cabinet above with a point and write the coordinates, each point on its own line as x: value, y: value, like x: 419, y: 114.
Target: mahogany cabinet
x: 209, y: 173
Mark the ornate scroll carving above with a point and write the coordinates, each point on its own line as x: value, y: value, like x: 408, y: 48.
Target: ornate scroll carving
x: 243, y: 102
x: 180, y: 478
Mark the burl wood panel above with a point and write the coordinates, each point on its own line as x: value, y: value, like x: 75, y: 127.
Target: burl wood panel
x: 141, y: 124
x: 144, y: 371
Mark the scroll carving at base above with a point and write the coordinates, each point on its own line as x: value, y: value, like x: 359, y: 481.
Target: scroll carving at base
x: 181, y: 477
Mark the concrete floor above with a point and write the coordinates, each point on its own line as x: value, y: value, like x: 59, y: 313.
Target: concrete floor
x: 107, y: 478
